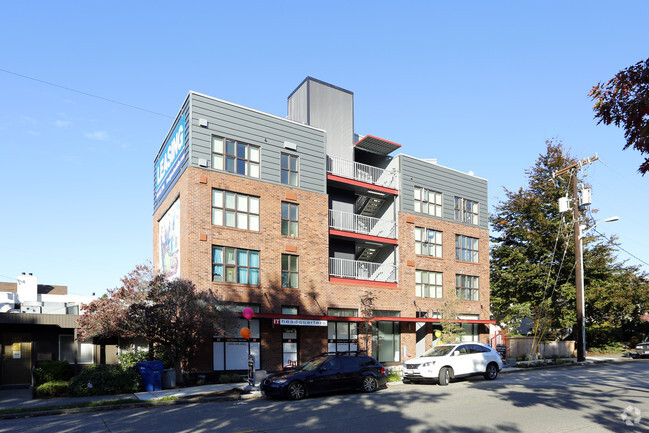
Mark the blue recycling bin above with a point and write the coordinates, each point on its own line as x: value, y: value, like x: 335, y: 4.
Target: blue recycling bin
x: 151, y: 373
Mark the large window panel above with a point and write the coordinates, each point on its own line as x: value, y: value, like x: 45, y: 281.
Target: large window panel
x: 235, y: 157
x: 235, y: 265
x: 231, y: 209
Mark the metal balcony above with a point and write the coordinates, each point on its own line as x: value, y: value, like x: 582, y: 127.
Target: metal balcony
x: 363, y: 172
x: 357, y: 270
x: 365, y: 225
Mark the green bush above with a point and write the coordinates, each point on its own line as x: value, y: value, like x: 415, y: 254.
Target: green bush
x: 129, y: 359
x: 52, y: 371
x: 394, y: 376
x: 104, y: 380
x: 57, y: 388
x: 230, y: 378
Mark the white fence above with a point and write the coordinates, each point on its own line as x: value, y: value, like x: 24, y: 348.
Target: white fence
x: 362, y: 172
x: 351, y: 222
x: 357, y: 270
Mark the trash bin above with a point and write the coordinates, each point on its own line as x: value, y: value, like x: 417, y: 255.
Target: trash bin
x: 169, y: 378
x: 151, y: 372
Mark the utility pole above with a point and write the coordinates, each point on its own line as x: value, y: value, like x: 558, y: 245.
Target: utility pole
x: 579, y: 264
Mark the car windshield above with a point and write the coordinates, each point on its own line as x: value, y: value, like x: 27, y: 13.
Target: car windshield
x: 312, y: 364
x: 439, y: 351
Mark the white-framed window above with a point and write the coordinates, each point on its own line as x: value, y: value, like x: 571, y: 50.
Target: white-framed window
x: 84, y: 350
x: 466, y: 287
x: 428, y: 202
x: 290, y: 219
x: 428, y: 242
x: 342, y: 336
x: 428, y: 284
x: 231, y: 209
x: 235, y: 157
x: 290, y: 271
x: 235, y: 265
x: 290, y: 170
x: 470, y: 329
x: 467, y: 211
x: 466, y: 248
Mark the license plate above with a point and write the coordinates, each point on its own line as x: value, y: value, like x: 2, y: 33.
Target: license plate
x: 410, y: 371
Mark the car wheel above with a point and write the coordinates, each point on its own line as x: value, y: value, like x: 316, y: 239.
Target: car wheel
x: 296, y: 390
x: 492, y: 372
x: 370, y: 384
x: 444, y: 376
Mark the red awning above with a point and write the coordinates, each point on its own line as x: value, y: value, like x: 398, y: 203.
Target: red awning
x: 361, y: 319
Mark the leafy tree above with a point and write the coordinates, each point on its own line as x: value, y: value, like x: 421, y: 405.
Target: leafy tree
x: 452, y: 330
x: 176, y: 319
x: 532, y: 262
x: 105, y: 317
x: 525, y: 228
x: 624, y: 100
x: 171, y: 315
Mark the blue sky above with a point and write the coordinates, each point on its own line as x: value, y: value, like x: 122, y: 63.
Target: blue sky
x: 478, y: 85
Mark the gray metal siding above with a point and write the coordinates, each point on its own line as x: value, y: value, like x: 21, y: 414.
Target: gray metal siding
x: 184, y: 111
x: 297, y: 104
x: 332, y: 109
x: 263, y: 130
x: 451, y: 183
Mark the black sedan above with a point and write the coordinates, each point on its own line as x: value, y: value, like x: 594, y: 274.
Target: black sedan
x: 327, y: 373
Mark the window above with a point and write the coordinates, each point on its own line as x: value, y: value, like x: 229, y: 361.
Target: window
x: 290, y: 310
x: 342, y: 312
x: 84, y: 350
x: 466, y: 248
x: 289, y: 271
x: 466, y: 211
x: 232, y: 209
x: 428, y: 242
x: 386, y: 341
x: 342, y: 336
x: 471, y: 332
x: 235, y: 265
x: 466, y: 287
x: 428, y: 202
x: 428, y: 284
x: 235, y: 157
x: 289, y: 219
x: 289, y: 169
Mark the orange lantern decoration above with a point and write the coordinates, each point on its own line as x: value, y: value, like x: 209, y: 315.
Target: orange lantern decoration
x: 245, y: 333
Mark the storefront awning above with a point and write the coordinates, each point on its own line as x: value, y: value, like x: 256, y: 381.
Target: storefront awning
x: 307, y: 318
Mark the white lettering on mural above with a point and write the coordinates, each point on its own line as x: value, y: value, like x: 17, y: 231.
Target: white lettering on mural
x: 171, y: 154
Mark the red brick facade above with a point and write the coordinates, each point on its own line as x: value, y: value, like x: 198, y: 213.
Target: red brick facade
x: 316, y: 293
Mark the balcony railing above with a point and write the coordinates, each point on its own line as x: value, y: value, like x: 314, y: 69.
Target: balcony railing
x: 363, y: 172
x: 354, y: 269
x: 365, y: 225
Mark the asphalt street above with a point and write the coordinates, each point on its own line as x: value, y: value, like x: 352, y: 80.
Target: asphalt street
x: 597, y: 398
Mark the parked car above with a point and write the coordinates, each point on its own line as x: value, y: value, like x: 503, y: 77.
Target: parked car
x: 642, y: 349
x: 447, y: 361
x: 327, y: 373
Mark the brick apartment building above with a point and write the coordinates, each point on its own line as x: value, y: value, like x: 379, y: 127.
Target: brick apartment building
x: 299, y: 217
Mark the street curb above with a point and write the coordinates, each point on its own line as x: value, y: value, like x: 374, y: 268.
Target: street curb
x: 144, y: 404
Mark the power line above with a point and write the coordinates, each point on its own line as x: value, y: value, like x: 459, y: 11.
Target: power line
x: 616, y: 246
x: 85, y: 93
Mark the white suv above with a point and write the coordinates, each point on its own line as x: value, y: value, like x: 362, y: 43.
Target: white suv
x: 448, y: 361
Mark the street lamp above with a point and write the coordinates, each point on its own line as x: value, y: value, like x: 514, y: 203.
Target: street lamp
x: 580, y: 298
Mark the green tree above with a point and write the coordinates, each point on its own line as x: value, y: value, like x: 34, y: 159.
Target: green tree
x: 532, y: 262
x: 176, y: 319
x: 624, y: 100
x: 525, y: 231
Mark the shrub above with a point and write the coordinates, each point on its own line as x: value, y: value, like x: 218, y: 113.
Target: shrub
x: 104, y: 380
x: 394, y: 376
x: 57, y: 388
x: 129, y: 359
x: 230, y: 378
x: 52, y: 371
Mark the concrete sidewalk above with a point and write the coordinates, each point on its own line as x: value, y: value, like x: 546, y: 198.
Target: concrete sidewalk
x: 21, y: 398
